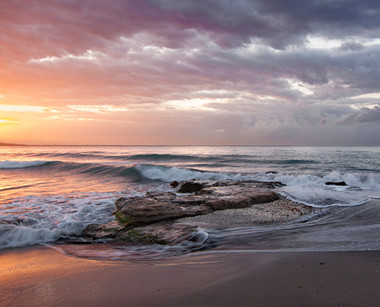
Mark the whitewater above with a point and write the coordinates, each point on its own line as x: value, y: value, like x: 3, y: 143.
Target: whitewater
x: 50, y: 193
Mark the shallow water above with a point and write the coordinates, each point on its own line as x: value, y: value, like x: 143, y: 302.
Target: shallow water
x: 53, y: 192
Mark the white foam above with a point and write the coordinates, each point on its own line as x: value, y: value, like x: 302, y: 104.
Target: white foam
x: 311, y: 189
x: 168, y: 174
x: 38, y: 219
x: 362, y: 180
x: 20, y: 164
x: 15, y: 236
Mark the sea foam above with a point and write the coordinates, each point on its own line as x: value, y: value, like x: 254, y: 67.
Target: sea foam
x: 167, y: 174
x: 41, y: 219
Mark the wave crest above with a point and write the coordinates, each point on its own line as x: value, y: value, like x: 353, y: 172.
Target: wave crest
x: 20, y: 164
x: 167, y: 174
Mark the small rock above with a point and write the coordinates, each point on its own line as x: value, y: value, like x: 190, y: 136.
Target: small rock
x: 341, y: 183
x: 174, y: 184
x: 190, y: 187
x: 274, y: 184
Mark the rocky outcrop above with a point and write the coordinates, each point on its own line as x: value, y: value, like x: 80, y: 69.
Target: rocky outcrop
x: 153, y: 217
x: 340, y: 183
x: 156, y: 207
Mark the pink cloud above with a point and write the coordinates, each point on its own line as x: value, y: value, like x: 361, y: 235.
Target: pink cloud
x: 139, y: 55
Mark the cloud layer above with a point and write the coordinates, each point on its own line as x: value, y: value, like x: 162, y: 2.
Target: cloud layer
x: 190, y: 72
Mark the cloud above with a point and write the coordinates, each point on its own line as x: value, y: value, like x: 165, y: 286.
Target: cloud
x: 7, y: 121
x: 25, y: 108
x: 57, y: 27
x: 244, y: 71
x: 97, y: 108
x: 364, y: 115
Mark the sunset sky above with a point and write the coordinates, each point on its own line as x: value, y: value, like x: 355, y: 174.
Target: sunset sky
x: 260, y: 72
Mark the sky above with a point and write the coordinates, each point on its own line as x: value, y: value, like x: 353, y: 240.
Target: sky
x: 190, y: 72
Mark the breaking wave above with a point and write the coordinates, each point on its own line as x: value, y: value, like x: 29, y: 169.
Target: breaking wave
x: 20, y: 164
x: 167, y: 174
x: 41, y: 219
x: 308, y: 187
x: 311, y: 189
x: 135, y: 172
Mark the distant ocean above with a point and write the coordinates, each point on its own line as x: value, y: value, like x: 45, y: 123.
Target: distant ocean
x: 53, y: 192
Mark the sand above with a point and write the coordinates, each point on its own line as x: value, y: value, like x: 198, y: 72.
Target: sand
x: 41, y: 276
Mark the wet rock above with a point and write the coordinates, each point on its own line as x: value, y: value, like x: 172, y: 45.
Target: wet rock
x: 96, y: 231
x: 190, y: 187
x: 153, y: 218
x: 241, y: 201
x: 340, y: 183
x: 137, y: 236
x: 281, y: 210
x: 148, y: 210
x: 274, y: 184
x: 250, y: 184
x: 163, y: 233
x: 174, y: 184
x: 156, y: 207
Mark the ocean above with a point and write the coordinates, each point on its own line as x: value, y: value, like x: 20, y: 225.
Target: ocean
x: 50, y: 193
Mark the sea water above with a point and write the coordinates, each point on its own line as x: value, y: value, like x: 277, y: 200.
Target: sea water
x: 52, y: 192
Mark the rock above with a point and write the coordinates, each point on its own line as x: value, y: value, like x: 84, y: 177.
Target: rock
x: 250, y: 184
x: 137, y: 236
x: 271, y: 172
x: 341, y: 183
x: 274, y: 184
x: 242, y: 201
x: 96, y: 231
x: 281, y: 210
x: 190, y: 187
x: 150, y: 219
x: 156, y: 207
x: 174, y: 184
x: 148, y: 210
x: 161, y: 233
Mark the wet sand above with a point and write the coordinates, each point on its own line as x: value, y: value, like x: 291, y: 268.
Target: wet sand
x: 41, y: 276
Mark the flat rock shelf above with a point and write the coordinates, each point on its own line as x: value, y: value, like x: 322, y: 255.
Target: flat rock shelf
x: 168, y: 218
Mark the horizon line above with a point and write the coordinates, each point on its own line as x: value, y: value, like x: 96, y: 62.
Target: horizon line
x: 189, y: 145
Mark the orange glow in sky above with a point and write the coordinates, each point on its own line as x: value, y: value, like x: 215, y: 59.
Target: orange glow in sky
x: 170, y: 72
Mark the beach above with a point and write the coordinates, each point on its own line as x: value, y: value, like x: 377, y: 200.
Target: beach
x: 42, y: 276
x: 318, y: 245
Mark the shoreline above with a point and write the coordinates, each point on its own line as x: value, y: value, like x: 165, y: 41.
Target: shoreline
x: 41, y: 276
